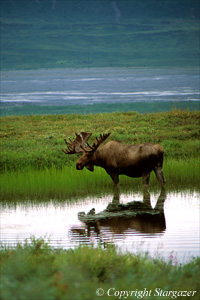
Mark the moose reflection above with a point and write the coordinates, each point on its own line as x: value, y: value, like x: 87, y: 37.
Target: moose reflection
x: 118, y: 218
x: 118, y: 159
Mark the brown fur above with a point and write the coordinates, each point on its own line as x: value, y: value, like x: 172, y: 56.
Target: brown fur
x: 131, y: 160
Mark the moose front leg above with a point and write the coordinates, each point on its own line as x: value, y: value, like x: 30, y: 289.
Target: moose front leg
x: 145, y: 181
x: 115, y: 179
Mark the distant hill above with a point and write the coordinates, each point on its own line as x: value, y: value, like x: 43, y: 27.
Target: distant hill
x: 99, y: 33
x: 101, y: 10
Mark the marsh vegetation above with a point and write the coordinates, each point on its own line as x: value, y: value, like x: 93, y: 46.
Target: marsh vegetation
x: 34, y: 171
x: 37, y: 271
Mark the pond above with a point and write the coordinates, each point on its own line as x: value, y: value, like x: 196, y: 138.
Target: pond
x: 176, y: 236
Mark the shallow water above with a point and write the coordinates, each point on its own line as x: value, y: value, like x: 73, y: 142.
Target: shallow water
x: 58, y: 222
x: 103, y: 85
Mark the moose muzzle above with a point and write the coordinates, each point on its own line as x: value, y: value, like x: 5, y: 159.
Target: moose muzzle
x: 79, y: 167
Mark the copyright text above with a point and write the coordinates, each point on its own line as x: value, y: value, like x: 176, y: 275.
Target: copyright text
x: 139, y: 294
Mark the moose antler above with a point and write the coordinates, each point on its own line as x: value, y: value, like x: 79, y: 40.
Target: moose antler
x: 76, y: 145
x: 79, y: 144
x: 96, y: 144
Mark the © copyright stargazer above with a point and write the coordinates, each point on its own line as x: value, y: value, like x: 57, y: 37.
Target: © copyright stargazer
x: 139, y: 294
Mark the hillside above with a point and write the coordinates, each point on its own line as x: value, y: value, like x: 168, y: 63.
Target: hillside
x: 101, y: 33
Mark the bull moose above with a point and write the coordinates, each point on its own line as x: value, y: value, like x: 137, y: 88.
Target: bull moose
x: 118, y: 159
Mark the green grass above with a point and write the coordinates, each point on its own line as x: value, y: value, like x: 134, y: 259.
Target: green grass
x: 34, y: 167
x: 52, y: 183
x: 37, y: 141
x: 36, y: 271
x: 182, y: 172
x: 71, y: 184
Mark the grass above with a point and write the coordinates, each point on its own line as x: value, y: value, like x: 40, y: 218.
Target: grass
x: 51, y: 183
x: 36, y: 141
x: 71, y: 184
x: 34, y: 167
x: 36, y: 271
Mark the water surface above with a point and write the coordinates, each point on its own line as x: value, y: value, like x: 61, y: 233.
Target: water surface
x: 103, y: 85
x: 59, y: 223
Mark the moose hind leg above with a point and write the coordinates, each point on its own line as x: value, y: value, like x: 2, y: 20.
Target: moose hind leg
x: 159, y: 174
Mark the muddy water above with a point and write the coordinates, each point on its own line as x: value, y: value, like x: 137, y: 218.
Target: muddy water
x: 175, y: 237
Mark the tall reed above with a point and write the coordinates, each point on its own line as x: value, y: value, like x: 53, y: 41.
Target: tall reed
x: 68, y: 183
x: 51, y: 183
x: 182, y: 172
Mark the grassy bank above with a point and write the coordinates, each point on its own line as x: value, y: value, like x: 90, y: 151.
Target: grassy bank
x: 144, y: 107
x: 36, y: 271
x: 36, y: 141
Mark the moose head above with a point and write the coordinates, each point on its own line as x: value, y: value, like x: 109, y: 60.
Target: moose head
x: 80, y: 145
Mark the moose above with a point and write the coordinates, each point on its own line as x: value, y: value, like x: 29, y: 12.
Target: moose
x: 118, y: 159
